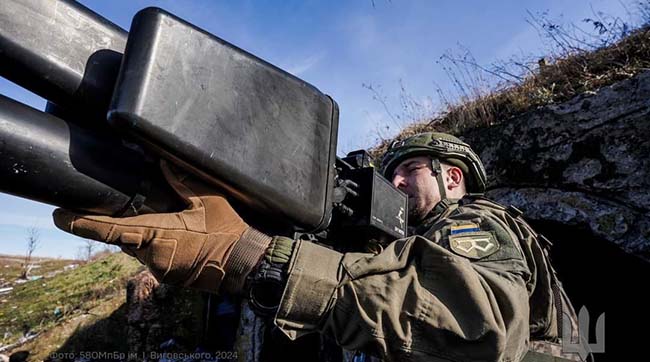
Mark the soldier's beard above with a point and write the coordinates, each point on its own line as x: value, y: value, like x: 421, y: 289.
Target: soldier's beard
x: 417, y: 213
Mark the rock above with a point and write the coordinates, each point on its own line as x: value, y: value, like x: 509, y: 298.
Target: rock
x: 583, y: 163
x: 159, y: 312
x: 142, y: 311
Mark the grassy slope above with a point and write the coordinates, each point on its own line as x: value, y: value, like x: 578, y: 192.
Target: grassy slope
x: 11, y: 266
x: 563, y: 79
x: 75, y: 292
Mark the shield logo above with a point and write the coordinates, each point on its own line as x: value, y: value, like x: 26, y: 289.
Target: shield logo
x: 474, y: 245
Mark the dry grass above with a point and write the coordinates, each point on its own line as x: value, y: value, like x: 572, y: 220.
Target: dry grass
x: 31, y: 306
x: 577, y: 73
x: 103, y: 320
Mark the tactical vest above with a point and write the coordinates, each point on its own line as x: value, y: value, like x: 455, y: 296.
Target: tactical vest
x: 549, y: 304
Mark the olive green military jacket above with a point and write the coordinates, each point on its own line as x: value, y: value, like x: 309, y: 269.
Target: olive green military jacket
x: 461, y: 291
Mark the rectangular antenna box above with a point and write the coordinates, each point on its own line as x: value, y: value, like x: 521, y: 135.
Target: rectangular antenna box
x: 264, y: 135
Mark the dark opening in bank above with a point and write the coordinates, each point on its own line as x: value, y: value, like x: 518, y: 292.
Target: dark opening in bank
x: 602, y: 277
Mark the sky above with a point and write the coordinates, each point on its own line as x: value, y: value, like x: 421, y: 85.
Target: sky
x: 342, y: 48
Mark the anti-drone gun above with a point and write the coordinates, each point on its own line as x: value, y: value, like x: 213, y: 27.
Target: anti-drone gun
x: 167, y: 89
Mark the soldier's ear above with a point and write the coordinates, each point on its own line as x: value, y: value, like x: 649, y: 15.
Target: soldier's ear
x: 455, y: 177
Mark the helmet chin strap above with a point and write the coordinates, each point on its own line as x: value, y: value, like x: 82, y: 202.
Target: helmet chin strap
x: 437, y: 168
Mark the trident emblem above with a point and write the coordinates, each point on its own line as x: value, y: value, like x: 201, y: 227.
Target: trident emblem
x: 583, y: 348
x: 400, y: 217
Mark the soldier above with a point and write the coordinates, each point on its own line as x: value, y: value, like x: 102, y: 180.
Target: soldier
x: 472, y: 283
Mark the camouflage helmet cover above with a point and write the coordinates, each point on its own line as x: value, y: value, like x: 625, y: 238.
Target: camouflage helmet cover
x: 444, y: 147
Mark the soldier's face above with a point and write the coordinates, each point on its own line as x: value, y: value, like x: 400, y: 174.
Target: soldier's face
x: 415, y: 177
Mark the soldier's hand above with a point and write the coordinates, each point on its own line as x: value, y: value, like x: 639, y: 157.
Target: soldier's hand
x: 202, y: 247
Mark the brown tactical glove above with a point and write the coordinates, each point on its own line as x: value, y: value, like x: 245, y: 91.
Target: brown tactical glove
x: 200, y: 247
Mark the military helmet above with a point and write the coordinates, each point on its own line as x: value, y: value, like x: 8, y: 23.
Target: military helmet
x: 441, y: 146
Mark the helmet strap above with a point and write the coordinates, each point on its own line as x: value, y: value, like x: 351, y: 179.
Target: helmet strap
x: 437, y: 168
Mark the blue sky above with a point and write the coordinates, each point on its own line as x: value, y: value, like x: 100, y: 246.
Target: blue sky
x: 337, y: 46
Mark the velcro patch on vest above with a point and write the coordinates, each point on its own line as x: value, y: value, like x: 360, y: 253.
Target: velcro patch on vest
x: 474, y: 245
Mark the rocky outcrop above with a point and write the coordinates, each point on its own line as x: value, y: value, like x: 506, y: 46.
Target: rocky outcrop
x: 584, y: 163
x: 161, y: 317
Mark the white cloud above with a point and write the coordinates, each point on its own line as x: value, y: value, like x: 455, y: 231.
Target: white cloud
x: 26, y: 221
x: 365, y: 30
x: 301, y: 67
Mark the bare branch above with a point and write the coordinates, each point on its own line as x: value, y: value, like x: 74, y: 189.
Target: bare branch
x: 33, y: 242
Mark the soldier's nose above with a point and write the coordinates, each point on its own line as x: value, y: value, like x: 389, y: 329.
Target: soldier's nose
x: 399, y: 181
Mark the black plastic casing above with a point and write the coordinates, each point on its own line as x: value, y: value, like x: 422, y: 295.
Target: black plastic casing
x: 47, y: 159
x: 265, y: 136
x: 380, y: 209
x: 62, y: 51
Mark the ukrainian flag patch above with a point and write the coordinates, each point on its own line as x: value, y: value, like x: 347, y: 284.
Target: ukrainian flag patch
x: 464, y: 228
